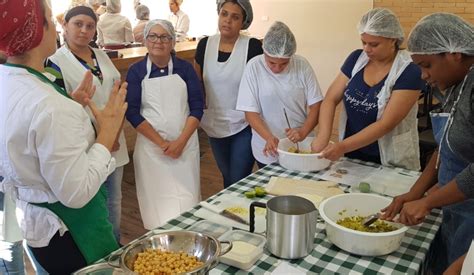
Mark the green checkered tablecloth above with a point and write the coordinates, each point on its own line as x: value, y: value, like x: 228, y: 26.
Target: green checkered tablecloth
x: 326, y: 257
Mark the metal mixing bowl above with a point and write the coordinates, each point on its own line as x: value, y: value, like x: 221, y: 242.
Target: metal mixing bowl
x: 206, y: 248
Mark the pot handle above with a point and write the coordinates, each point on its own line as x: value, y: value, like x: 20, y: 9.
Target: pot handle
x: 252, y: 213
x: 114, y: 259
x: 227, y: 249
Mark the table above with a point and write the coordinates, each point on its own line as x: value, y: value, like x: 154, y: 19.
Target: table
x: 326, y: 257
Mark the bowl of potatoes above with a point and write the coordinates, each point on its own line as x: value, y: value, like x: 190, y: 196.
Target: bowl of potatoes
x: 173, y: 252
x: 303, y: 160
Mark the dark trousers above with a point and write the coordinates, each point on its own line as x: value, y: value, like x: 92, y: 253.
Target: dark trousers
x: 61, y: 256
x: 233, y: 156
x: 260, y: 165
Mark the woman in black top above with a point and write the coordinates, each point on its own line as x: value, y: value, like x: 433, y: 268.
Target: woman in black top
x: 220, y: 60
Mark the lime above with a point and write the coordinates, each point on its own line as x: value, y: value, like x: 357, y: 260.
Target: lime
x: 250, y: 194
x: 260, y: 191
x: 364, y: 187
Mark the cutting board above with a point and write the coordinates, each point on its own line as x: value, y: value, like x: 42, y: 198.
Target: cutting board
x: 315, y: 191
x: 226, y: 201
x: 391, y: 182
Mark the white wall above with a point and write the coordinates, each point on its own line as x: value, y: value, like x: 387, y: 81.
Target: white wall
x: 325, y: 29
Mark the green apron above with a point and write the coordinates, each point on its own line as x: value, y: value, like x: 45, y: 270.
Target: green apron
x: 89, y: 226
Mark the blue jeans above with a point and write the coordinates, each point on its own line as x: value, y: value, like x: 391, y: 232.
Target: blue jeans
x: 233, y: 155
x: 113, y: 185
x: 11, y: 254
x: 39, y: 270
x: 11, y: 258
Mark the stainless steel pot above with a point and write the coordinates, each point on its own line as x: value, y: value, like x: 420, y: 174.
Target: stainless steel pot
x: 291, y: 226
x: 205, y: 247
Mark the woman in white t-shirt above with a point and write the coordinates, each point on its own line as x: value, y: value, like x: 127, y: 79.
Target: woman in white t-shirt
x: 275, y: 82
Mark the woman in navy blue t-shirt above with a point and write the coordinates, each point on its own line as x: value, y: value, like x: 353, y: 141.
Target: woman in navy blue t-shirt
x: 379, y: 87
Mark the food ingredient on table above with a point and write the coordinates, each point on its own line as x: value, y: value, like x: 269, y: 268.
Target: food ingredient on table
x: 256, y: 192
x: 238, y: 210
x: 364, y: 187
x: 260, y: 191
x: 281, y: 186
x: 242, y: 248
x: 250, y: 194
x: 157, y: 261
x: 355, y: 223
x: 293, y: 149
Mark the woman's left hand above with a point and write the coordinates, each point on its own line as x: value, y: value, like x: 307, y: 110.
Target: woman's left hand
x: 414, y: 212
x: 85, y: 91
x: 333, y: 151
x: 174, y: 149
x: 294, y: 134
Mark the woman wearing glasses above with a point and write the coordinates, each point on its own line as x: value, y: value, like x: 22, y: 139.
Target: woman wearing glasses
x: 68, y: 65
x: 165, y: 106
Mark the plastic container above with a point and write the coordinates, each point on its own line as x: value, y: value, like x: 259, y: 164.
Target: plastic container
x: 357, y: 242
x: 300, y: 162
x: 210, y: 228
x: 247, y: 248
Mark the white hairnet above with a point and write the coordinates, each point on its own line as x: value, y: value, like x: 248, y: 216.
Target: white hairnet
x: 381, y: 22
x: 113, y: 6
x: 165, y: 24
x: 142, y: 12
x: 442, y: 33
x: 279, y: 41
x: 246, y: 7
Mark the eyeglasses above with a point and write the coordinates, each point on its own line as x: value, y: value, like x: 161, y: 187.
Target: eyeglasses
x: 163, y: 38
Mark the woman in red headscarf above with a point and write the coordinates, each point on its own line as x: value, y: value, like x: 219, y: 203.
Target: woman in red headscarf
x: 52, y: 161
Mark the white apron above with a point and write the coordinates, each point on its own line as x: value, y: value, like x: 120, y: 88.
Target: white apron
x: 400, y: 146
x: 166, y: 187
x: 222, y: 81
x: 73, y: 72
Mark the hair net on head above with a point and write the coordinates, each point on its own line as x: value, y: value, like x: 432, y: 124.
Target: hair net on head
x: 165, y: 24
x: 80, y: 10
x: 113, y: 6
x: 93, y: 2
x: 246, y: 7
x: 442, y: 33
x: 142, y: 12
x: 381, y: 22
x: 279, y: 41
x: 178, y: 2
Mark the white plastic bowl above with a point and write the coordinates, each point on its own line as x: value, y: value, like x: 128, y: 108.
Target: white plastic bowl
x: 357, y: 242
x: 300, y: 162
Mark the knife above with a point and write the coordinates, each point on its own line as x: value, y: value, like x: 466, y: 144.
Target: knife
x: 224, y: 213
